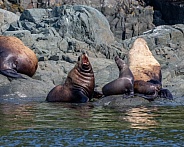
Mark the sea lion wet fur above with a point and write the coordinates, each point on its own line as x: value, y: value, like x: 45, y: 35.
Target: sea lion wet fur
x: 16, y: 58
x: 124, y: 84
x: 79, y: 84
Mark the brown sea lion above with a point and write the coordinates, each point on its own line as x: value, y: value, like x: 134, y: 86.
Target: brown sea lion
x: 163, y: 93
x: 79, y: 84
x: 124, y: 84
x: 147, y: 71
x: 16, y: 58
x: 147, y: 90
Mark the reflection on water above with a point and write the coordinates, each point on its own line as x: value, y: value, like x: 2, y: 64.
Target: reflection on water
x: 141, y: 118
x: 64, y: 115
x: 16, y: 116
x: 84, y: 124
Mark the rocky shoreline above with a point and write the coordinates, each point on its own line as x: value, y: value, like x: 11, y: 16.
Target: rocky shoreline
x: 58, y: 35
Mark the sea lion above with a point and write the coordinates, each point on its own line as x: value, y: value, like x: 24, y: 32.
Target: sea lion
x: 147, y: 71
x: 79, y: 84
x: 16, y: 58
x: 124, y: 84
x: 163, y: 93
x: 147, y: 90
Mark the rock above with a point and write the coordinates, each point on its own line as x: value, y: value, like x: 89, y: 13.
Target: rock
x: 29, y: 87
x: 119, y: 101
x: 3, y: 81
x: 142, y: 63
x: 24, y: 35
x: 48, y: 74
x: 75, y: 23
x: 35, y: 15
x: 175, y: 13
x: 68, y: 29
x: 6, y: 18
x: 137, y: 16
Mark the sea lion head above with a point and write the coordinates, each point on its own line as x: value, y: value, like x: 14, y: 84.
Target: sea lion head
x: 122, y: 85
x: 79, y: 84
x: 83, y: 62
x: 120, y: 63
x: 27, y: 65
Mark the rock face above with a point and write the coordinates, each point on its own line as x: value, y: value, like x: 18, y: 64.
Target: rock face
x: 126, y: 18
x: 172, y: 11
x: 67, y: 29
x: 6, y: 18
x: 142, y: 63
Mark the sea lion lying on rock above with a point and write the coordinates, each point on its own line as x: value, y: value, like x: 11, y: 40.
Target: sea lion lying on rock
x: 79, y: 84
x: 146, y: 71
x: 147, y: 90
x: 16, y: 58
x: 124, y: 84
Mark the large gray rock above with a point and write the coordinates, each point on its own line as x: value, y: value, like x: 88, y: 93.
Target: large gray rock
x: 35, y: 15
x: 6, y: 18
x: 126, y: 18
x: 119, y: 101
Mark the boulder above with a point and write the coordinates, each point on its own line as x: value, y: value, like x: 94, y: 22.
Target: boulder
x: 35, y: 15
x: 118, y: 101
x: 126, y: 18
x: 6, y: 18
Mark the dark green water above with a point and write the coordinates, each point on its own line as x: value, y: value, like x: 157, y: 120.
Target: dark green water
x: 37, y: 123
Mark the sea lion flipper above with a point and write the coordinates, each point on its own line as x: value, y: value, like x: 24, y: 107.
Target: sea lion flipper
x: 147, y: 97
x: 97, y: 94
x: 165, y: 93
x: 80, y: 97
x: 11, y: 73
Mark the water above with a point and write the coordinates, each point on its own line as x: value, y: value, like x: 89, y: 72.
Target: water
x: 37, y: 123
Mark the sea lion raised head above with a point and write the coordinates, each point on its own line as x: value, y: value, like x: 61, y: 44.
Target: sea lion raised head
x: 123, y: 84
x: 79, y: 84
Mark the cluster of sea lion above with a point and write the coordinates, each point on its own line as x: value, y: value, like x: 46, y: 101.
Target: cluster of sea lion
x: 141, y: 77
